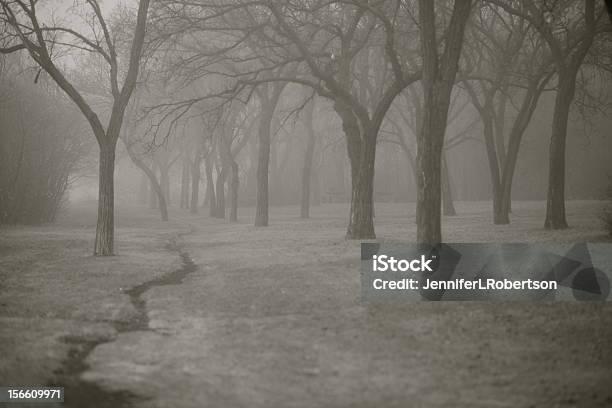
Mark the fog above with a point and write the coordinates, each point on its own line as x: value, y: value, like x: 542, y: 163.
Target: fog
x: 186, y: 186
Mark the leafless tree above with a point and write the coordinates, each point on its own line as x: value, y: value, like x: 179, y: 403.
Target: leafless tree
x: 439, y: 72
x: 509, y: 68
x: 45, y: 43
x: 569, y: 29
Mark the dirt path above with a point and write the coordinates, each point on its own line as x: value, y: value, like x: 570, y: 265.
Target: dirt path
x: 81, y: 393
x: 272, y: 318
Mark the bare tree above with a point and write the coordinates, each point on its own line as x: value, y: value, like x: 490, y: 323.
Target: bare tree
x: 569, y: 29
x: 43, y: 42
x: 268, y: 95
x: 315, y: 44
x: 439, y: 71
x: 406, y: 121
x: 509, y: 67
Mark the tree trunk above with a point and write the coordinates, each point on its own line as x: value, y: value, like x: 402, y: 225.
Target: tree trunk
x: 263, y: 166
x: 555, y: 204
x: 438, y: 78
x: 448, y: 207
x: 161, y: 200
x: 500, y: 215
x: 143, y: 190
x: 156, y: 195
x: 210, y: 187
x: 105, y: 228
x: 429, y: 150
x: 307, y: 169
x: 185, y: 183
x: 361, y: 221
x: 165, y: 182
x: 362, y: 155
x: 195, y: 183
x: 220, y: 190
x: 234, y: 184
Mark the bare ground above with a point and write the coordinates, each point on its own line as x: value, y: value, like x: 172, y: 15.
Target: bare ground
x: 272, y: 317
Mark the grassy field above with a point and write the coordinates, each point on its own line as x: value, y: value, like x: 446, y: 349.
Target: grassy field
x: 272, y: 317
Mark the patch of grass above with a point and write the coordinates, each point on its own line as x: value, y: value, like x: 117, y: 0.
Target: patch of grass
x: 52, y: 288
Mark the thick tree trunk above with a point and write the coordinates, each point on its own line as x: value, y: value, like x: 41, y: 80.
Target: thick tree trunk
x: 429, y: 150
x: 307, y: 169
x: 555, y: 204
x: 437, y: 82
x: 448, y: 207
x: 263, y: 166
x: 105, y: 228
x: 362, y: 155
x: 361, y: 222
x: 234, y: 184
x: 195, y: 184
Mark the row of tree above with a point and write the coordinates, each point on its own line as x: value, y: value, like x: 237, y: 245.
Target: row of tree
x: 384, y: 67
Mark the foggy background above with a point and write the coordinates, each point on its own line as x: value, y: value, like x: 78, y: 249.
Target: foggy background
x: 185, y: 186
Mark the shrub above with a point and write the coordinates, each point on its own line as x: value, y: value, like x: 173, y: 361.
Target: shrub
x: 41, y: 143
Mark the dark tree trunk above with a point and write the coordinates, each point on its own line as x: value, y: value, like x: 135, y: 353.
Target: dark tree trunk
x: 362, y: 155
x: 437, y: 82
x: 361, y: 222
x: 195, y: 184
x: 500, y: 215
x: 263, y: 166
x: 269, y: 98
x: 514, y: 143
x: 566, y: 88
x: 448, y: 207
x: 307, y: 169
x: 555, y: 204
x: 105, y: 227
x: 429, y: 150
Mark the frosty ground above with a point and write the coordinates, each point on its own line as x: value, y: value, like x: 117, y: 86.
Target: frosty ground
x: 272, y: 317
